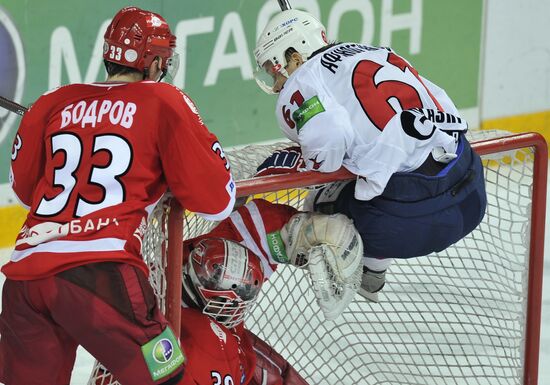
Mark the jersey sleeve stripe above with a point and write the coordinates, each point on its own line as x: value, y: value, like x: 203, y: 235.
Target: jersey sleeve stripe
x: 260, y: 228
x: 249, y: 242
x: 63, y: 247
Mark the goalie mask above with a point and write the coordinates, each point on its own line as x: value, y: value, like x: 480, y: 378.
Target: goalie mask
x: 136, y: 37
x: 223, y: 279
x: 288, y: 29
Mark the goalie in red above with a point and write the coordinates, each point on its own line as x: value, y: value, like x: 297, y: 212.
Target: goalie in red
x: 223, y: 274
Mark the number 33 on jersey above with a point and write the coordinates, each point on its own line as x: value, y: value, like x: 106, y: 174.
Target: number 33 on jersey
x: 90, y: 167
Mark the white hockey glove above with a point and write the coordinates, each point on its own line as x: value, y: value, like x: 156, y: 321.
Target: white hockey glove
x: 331, y: 249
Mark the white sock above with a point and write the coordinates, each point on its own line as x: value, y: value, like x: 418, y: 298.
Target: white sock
x: 377, y: 264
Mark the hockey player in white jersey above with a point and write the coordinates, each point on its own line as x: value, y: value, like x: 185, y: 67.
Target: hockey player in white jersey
x: 419, y: 185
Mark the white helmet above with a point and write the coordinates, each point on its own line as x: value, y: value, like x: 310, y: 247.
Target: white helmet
x: 290, y: 28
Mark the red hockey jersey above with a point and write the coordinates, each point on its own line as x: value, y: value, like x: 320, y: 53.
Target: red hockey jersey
x: 215, y: 354
x: 257, y: 226
x: 91, y: 161
x: 220, y: 356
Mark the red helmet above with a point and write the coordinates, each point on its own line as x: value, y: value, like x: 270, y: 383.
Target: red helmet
x: 135, y: 37
x: 223, y: 279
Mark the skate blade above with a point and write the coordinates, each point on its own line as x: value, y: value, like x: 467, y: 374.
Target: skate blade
x: 372, y: 297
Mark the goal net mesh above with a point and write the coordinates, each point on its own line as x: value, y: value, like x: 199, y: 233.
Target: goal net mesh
x: 455, y: 317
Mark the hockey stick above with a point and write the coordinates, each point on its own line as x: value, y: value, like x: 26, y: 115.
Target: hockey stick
x: 12, y: 106
x: 284, y: 4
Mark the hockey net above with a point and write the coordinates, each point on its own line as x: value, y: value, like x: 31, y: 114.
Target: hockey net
x: 468, y: 315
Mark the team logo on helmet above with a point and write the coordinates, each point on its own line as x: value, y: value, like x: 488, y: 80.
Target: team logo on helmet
x: 131, y: 55
x: 198, y: 253
x: 12, y: 68
x: 155, y: 21
x: 162, y: 352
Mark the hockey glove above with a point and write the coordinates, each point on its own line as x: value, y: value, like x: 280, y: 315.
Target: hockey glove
x: 285, y: 161
x: 331, y: 249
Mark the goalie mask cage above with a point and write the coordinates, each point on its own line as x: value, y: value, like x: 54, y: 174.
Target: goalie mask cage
x: 468, y: 315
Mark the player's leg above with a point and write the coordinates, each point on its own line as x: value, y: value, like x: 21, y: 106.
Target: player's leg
x: 416, y: 215
x: 111, y: 310
x: 335, y: 198
x: 33, y: 348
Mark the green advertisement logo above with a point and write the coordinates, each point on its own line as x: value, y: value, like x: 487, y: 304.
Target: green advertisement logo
x: 215, y: 45
x: 307, y: 110
x: 277, y: 247
x: 163, y: 354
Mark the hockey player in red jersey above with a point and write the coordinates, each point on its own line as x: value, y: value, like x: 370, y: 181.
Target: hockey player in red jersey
x: 222, y: 276
x: 221, y: 281
x: 90, y: 161
x: 419, y: 187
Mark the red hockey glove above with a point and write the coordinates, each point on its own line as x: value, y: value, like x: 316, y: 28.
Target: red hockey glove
x: 285, y: 161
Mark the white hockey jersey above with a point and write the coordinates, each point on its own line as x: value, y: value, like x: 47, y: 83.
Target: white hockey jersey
x: 344, y: 105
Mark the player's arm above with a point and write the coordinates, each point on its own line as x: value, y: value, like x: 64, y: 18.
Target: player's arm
x: 313, y: 119
x: 256, y: 226
x: 271, y: 367
x: 196, y: 169
x: 28, y: 152
x: 328, y: 246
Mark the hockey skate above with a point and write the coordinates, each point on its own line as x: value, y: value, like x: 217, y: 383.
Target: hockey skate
x: 371, y: 283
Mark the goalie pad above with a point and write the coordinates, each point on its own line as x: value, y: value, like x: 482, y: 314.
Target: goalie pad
x: 331, y: 249
x: 285, y: 161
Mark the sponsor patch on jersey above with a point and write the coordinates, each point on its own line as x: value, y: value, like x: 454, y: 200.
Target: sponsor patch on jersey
x: 277, y: 247
x: 307, y: 110
x: 163, y: 354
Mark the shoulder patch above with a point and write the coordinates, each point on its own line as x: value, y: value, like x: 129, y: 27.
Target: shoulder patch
x: 307, y: 110
x: 163, y: 354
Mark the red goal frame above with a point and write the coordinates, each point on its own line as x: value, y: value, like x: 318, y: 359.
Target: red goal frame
x: 278, y: 182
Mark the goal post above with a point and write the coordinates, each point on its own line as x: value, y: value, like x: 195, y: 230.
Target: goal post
x: 536, y: 237
x: 468, y: 315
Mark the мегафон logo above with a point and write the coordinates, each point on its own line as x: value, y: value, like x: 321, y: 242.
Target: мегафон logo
x: 162, y: 352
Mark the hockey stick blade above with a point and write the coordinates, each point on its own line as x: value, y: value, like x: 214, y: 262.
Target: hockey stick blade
x: 284, y: 4
x: 12, y: 106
